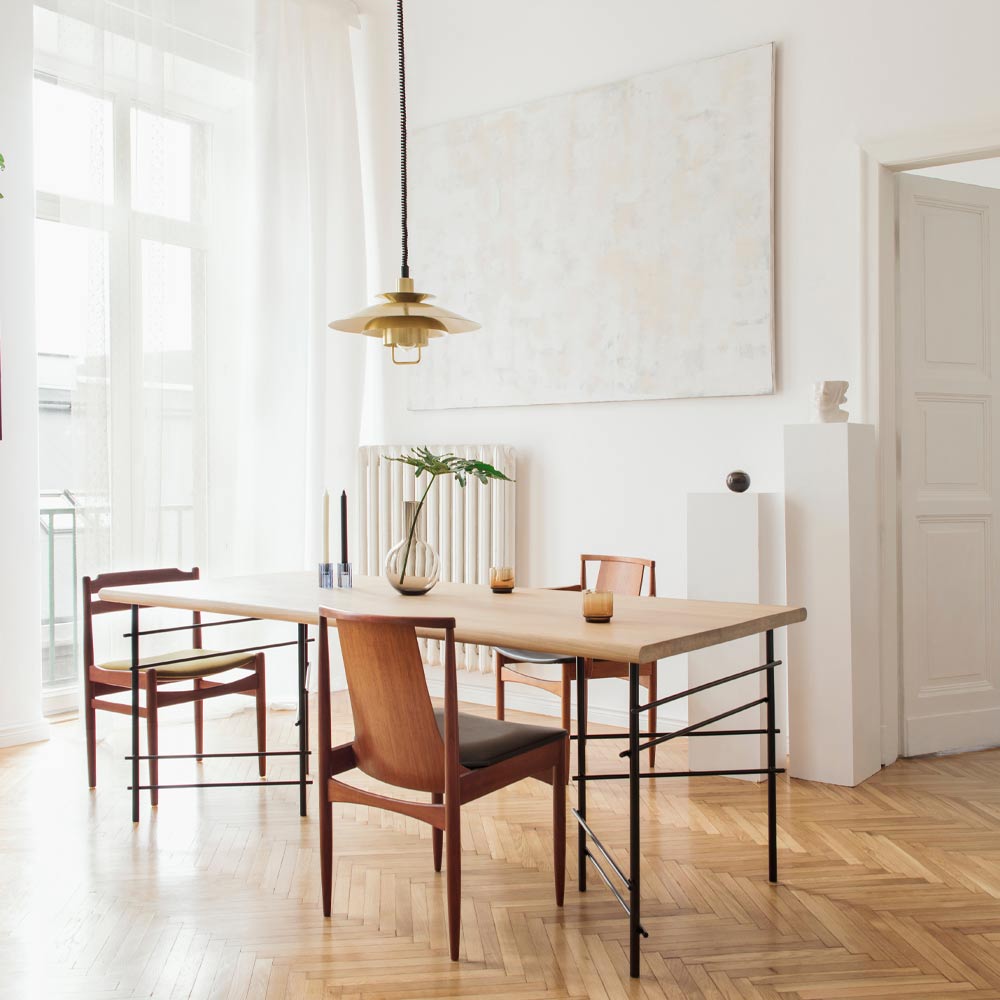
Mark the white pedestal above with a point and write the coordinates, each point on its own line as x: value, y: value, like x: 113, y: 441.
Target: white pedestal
x: 831, y: 545
x: 734, y: 554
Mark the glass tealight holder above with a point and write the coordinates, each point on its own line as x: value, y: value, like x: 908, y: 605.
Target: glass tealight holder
x: 598, y: 606
x: 344, y: 575
x: 326, y: 575
x: 502, y: 579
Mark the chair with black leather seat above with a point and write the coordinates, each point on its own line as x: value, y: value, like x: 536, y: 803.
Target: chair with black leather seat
x: 115, y: 676
x: 619, y: 574
x: 400, y: 739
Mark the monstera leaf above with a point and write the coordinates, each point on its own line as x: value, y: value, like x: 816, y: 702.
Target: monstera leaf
x: 423, y: 460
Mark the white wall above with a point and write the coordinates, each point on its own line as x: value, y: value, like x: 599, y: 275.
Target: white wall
x: 20, y: 632
x: 614, y: 476
x: 984, y: 173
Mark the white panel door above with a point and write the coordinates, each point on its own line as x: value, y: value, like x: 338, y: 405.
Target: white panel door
x: 949, y: 311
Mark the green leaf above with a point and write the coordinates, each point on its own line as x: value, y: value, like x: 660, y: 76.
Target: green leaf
x: 422, y: 459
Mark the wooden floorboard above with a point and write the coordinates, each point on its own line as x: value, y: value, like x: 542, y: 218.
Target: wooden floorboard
x: 889, y: 890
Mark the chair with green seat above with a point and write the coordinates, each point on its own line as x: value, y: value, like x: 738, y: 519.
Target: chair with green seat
x: 115, y: 676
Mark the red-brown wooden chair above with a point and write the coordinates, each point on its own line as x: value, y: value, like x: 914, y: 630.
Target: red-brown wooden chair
x: 401, y: 739
x: 115, y: 676
x: 618, y: 574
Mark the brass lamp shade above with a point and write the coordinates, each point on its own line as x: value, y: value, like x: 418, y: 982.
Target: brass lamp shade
x: 406, y: 320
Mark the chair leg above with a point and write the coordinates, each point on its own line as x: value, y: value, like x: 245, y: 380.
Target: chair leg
x: 199, y: 723
x: 152, y: 736
x: 453, y: 872
x: 326, y: 848
x: 437, y: 836
x: 651, y: 714
x: 567, y: 706
x: 560, y: 777
x: 498, y: 662
x: 90, y: 718
x: 261, y: 715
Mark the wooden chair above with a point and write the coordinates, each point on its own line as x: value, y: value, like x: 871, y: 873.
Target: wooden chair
x: 401, y: 739
x: 618, y: 574
x: 115, y: 676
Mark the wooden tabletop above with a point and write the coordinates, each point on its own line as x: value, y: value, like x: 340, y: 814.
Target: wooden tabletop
x: 643, y: 628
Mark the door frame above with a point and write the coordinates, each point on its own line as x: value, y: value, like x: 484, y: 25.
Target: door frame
x: 880, y: 161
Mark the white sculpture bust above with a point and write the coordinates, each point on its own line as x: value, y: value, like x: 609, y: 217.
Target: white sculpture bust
x: 827, y: 398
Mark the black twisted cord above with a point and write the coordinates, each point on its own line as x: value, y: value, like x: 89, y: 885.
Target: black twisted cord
x: 405, y: 269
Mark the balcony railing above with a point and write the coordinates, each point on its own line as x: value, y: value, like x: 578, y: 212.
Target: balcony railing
x: 60, y: 592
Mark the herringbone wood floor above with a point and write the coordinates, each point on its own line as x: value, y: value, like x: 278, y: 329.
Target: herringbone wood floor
x: 887, y: 890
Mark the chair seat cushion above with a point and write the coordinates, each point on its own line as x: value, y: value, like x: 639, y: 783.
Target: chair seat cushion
x: 530, y: 656
x: 483, y: 742
x: 215, y: 664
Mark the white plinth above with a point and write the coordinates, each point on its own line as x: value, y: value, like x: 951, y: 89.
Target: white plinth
x: 734, y: 554
x: 831, y: 545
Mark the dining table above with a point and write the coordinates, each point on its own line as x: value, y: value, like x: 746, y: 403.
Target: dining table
x: 642, y: 630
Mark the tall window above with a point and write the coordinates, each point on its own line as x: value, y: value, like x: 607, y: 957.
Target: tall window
x: 120, y: 294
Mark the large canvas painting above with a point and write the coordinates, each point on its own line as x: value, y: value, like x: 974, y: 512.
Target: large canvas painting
x: 614, y: 243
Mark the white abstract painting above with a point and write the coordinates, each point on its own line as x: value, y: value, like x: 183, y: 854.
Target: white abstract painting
x: 614, y: 243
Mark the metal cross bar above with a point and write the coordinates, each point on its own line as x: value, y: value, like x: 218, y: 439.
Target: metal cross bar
x: 614, y: 891
x: 770, y: 665
x: 604, y: 851
x: 709, y: 732
x: 211, y: 656
x: 687, y: 730
x: 199, y: 756
x: 681, y: 774
x: 188, y: 628
x: 215, y: 784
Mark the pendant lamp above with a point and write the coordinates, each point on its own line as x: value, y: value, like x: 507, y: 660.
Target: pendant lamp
x: 406, y: 319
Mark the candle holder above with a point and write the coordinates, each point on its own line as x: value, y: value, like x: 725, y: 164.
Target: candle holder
x: 344, y: 575
x: 502, y: 579
x: 326, y: 575
x: 598, y: 606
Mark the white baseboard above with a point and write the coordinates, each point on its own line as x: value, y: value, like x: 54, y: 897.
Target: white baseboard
x: 62, y: 701
x: 480, y: 689
x: 31, y: 732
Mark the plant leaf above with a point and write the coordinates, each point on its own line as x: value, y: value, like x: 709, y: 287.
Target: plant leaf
x: 422, y: 459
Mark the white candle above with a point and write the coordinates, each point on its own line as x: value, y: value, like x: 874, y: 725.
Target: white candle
x: 326, y: 526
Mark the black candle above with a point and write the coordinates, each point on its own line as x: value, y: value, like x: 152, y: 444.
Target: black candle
x: 343, y: 526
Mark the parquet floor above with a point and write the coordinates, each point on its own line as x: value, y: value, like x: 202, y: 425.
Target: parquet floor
x: 887, y: 890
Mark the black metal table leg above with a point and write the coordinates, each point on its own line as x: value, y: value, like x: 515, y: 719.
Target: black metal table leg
x: 632, y: 882
x: 772, y: 778
x: 633, y: 818
x: 303, y: 717
x: 135, y: 713
x: 581, y: 768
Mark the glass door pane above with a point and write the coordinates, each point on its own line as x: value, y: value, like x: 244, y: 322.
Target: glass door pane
x: 172, y: 440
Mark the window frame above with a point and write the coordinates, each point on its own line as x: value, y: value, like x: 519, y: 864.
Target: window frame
x: 127, y: 228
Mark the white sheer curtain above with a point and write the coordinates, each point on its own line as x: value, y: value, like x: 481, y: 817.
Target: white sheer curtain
x: 303, y: 382
x: 200, y: 221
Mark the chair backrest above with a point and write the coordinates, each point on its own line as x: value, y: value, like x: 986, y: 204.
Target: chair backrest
x: 396, y: 737
x: 620, y: 574
x: 93, y: 605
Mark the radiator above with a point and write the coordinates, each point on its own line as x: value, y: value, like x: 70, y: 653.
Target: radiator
x: 470, y: 528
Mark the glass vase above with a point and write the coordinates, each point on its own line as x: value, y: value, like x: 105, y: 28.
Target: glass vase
x: 411, y: 565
